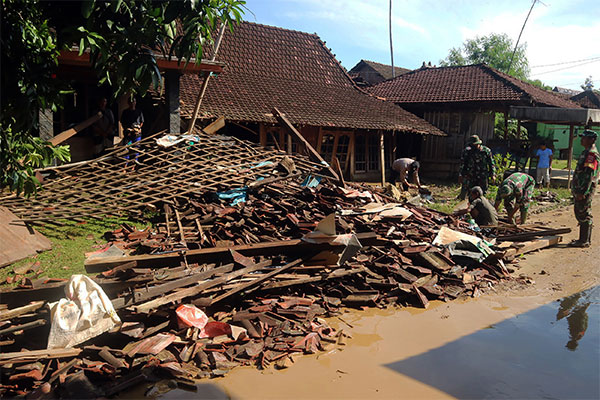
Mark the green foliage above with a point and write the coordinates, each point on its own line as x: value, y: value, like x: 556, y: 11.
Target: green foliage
x: 538, y: 83
x: 502, y: 163
x: 512, y: 128
x: 21, y: 154
x: 494, y: 50
x: 122, y: 37
x: 588, y: 84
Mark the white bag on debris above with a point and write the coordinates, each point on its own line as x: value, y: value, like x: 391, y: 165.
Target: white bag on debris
x: 86, y: 313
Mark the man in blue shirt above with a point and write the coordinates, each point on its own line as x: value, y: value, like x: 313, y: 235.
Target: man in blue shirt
x: 544, y: 165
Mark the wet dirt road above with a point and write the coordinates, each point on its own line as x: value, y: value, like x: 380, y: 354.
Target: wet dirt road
x: 514, y: 342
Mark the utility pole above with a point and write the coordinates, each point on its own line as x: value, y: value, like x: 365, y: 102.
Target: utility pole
x: 391, y: 44
x: 519, y: 38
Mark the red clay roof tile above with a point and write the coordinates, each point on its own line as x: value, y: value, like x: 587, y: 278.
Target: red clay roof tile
x: 294, y: 71
x: 470, y: 83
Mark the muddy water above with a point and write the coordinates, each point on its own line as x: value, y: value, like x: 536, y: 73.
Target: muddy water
x: 495, y: 347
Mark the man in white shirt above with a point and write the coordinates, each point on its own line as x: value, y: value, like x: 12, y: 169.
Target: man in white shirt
x: 401, y: 168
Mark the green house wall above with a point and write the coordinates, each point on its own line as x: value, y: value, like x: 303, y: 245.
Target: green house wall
x: 559, y: 135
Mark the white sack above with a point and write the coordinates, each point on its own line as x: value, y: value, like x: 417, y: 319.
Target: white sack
x: 86, y: 313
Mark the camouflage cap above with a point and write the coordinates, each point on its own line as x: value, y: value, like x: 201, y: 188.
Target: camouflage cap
x: 589, y: 133
x: 474, y: 140
x: 505, y: 191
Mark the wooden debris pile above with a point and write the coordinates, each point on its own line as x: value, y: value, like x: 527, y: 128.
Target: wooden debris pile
x: 266, y: 272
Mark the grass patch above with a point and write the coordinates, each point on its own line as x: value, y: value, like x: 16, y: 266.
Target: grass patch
x: 445, y: 196
x: 70, y: 242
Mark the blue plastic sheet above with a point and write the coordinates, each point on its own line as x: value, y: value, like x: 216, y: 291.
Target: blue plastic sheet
x: 235, y: 196
x: 311, y: 181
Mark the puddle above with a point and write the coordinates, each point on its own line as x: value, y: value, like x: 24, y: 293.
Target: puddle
x: 494, y: 347
x: 552, y: 351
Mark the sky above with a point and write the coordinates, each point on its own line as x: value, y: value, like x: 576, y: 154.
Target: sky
x: 562, y: 36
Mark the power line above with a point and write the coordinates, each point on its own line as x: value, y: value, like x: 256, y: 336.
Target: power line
x: 567, y: 62
x: 569, y: 67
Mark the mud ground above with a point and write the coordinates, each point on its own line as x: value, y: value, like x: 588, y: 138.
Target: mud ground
x: 383, y: 338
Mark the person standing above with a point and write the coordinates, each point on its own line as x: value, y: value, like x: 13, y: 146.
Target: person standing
x: 132, y: 120
x: 585, y: 180
x: 517, y: 192
x: 477, y: 167
x: 401, y: 168
x: 103, y: 129
x: 544, y: 165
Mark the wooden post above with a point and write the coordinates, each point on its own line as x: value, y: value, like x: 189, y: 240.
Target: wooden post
x: 382, y: 157
x: 351, y: 155
x: 570, y: 155
x: 262, y: 132
x: 519, y: 129
x: 505, y: 125
x: 206, y: 79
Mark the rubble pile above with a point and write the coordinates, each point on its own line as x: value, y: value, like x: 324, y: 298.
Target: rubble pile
x: 244, y: 276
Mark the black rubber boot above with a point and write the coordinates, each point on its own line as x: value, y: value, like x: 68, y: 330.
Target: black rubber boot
x: 582, y: 236
x: 588, y: 235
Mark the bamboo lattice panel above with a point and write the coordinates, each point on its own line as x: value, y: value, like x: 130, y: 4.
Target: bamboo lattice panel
x: 131, y: 177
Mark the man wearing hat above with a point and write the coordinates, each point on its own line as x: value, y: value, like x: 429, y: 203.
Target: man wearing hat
x: 517, y: 192
x: 477, y: 167
x: 585, y: 180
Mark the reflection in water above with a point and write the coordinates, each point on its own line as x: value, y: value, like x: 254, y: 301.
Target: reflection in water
x: 577, y: 318
x: 521, y: 357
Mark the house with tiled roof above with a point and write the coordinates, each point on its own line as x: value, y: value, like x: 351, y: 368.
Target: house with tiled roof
x: 267, y: 67
x: 371, y: 73
x: 587, y: 99
x: 461, y: 101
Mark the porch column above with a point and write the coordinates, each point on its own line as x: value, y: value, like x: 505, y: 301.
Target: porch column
x: 172, y: 94
x: 382, y: 157
x: 570, y: 155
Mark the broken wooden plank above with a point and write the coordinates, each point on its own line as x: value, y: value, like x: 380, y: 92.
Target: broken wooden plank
x: 524, y: 236
x: 248, y: 285
x: 26, y: 326
x: 15, y: 312
x: 25, y: 356
x: 527, y: 247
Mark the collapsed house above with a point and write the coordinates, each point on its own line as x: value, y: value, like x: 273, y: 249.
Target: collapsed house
x: 461, y: 101
x: 269, y: 67
x: 248, y: 251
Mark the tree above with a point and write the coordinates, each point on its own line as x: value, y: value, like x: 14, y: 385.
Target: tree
x: 494, y: 50
x: 122, y: 38
x: 588, y: 84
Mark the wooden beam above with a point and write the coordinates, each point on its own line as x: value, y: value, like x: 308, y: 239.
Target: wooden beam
x: 255, y: 282
x: 15, y: 312
x: 24, y: 356
x: 213, y: 254
x: 214, y: 126
x: 532, y: 235
x: 294, y: 132
x: 61, y: 137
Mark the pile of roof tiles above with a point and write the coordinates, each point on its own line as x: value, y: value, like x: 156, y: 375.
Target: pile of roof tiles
x: 264, y: 283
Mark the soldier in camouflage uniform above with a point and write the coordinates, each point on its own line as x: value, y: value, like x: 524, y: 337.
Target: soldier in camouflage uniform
x: 477, y: 167
x: 585, y: 180
x: 517, y: 192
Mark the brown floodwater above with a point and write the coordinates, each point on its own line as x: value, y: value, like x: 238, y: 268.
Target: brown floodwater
x: 492, y: 347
